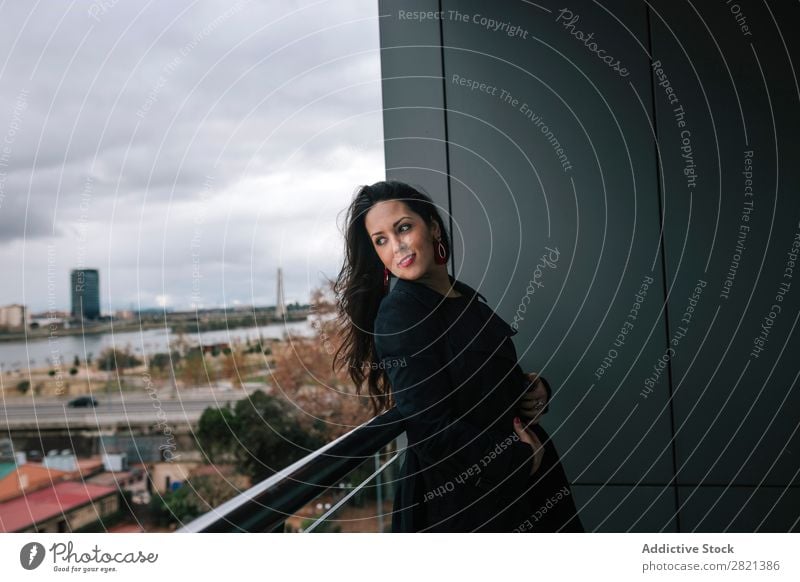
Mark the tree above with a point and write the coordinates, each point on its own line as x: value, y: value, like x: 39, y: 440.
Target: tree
x: 160, y: 364
x: 198, y: 495
x: 304, y: 372
x: 216, y: 432
x: 271, y: 436
x: 116, y: 359
x: 234, y: 368
x: 193, y: 371
x: 261, y: 434
x: 162, y: 361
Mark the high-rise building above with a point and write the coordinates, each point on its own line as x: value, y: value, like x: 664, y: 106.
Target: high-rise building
x: 85, y: 291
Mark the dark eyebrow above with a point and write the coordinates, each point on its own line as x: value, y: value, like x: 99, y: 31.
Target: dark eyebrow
x: 395, y: 224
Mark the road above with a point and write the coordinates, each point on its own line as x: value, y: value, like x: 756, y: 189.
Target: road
x: 134, y: 409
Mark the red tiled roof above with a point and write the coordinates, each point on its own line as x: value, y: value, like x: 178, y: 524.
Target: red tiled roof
x: 40, y: 505
x: 36, y: 477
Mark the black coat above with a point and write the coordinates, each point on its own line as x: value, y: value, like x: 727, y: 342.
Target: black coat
x: 455, y: 380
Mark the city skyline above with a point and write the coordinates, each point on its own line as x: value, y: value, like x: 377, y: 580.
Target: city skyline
x: 185, y: 167
x: 74, y: 309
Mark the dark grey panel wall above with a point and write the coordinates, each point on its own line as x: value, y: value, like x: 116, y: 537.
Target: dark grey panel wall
x: 561, y: 167
x: 413, y: 104
x: 513, y: 199
x: 737, y: 406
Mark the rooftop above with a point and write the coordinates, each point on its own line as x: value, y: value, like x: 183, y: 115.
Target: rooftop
x: 39, y: 506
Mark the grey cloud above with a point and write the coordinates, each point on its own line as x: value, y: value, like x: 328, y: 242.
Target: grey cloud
x: 129, y: 110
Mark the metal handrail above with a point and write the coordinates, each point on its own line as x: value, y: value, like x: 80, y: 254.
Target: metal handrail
x: 375, y: 475
x: 265, y: 506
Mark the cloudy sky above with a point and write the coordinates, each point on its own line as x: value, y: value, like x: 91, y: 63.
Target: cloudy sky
x: 184, y: 149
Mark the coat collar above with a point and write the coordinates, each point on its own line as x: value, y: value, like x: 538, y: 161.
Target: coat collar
x: 427, y: 295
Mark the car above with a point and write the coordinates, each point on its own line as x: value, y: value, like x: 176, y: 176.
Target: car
x: 82, y: 402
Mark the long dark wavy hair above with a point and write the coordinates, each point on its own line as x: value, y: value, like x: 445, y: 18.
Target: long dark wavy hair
x: 359, y: 287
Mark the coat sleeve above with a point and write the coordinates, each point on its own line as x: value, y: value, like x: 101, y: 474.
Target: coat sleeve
x: 406, y: 342
x: 549, y: 393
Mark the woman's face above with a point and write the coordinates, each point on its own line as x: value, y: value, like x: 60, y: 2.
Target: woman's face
x: 397, y: 232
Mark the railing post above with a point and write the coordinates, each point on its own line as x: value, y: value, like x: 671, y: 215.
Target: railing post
x: 379, y: 492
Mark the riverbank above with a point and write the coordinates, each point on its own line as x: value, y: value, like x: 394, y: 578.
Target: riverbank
x: 126, y: 326
x: 41, y: 333
x: 62, y: 349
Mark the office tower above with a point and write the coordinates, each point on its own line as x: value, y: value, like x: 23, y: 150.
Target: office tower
x: 85, y: 291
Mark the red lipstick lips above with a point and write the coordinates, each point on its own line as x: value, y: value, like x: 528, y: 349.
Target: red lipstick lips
x: 407, y: 261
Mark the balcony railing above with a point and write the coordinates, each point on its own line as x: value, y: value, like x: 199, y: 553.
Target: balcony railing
x: 266, y: 506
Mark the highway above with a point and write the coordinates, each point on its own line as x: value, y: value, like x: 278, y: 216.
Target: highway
x: 134, y: 409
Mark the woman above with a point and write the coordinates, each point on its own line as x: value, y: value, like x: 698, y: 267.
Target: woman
x: 447, y: 362
x: 553, y: 509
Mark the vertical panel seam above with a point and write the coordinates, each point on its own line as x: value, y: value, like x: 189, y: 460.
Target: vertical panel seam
x: 446, y: 143
x: 662, y: 244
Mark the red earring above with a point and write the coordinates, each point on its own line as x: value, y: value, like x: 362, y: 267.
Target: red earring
x: 385, y: 279
x: 440, y: 256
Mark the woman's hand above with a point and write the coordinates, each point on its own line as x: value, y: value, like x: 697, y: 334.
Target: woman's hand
x: 528, y: 436
x: 533, y: 402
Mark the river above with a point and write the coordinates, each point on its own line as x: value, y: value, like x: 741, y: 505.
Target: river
x: 42, y: 352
